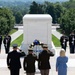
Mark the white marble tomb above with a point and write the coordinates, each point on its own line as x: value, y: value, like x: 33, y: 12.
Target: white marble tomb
x: 36, y: 26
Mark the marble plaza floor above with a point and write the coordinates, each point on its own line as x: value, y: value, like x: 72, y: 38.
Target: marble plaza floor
x: 71, y: 64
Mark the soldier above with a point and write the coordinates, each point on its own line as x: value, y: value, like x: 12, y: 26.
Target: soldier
x: 13, y: 60
x: 29, y: 62
x: 72, y: 42
x: 43, y: 60
x: 63, y: 41
x: 7, y: 41
x: 0, y: 42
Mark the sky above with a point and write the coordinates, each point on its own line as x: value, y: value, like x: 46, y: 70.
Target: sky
x: 37, y: 0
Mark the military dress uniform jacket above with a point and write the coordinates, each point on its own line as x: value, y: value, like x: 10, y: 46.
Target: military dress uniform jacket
x: 13, y: 59
x: 63, y: 40
x: 8, y: 38
x: 72, y: 40
x: 43, y: 60
x: 29, y: 63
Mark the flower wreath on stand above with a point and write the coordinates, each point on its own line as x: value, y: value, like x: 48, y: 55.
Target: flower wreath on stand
x: 36, y: 42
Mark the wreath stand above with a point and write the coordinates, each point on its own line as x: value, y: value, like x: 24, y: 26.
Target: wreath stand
x: 36, y: 43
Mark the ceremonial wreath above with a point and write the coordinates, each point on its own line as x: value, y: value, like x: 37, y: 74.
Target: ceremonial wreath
x: 36, y: 42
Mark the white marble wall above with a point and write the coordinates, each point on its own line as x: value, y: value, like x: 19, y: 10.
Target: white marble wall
x: 37, y: 26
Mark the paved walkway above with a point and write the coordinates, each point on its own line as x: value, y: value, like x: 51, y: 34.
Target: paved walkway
x: 15, y: 35
x: 71, y: 63
x: 54, y: 32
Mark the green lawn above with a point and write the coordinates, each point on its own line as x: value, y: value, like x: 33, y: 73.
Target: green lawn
x: 59, y: 30
x: 55, y: 41
x: 12, y: 31
x: 20, y: 39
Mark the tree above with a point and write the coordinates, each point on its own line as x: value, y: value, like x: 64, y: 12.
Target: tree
x: 41, y: 9
x: 71, y: 0
x: 6, y: 20
x: 19, y: 12
x: 69, y: 4
x: 36, y: 8
x: 50, y: 9
x: 58, y: 10
x: 18, y: 17
x: 67, y: 21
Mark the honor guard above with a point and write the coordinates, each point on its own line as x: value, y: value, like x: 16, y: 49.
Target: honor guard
x: 7, y: 41
x: 63, y: 41
x: 72, y: 42
x: 29, y: 62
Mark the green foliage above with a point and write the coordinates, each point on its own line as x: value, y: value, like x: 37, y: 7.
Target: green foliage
x: 50, y: 10
x: 18, y: 40
x: 18, y: 17
x: 19, y: 12
x: 67, y: 21
x: 12, y: 31
x: 59, y: 9
x: 36, y: 8
x: 54, y: 9
x: 6, y: 20
x: 71, y: 0
x: 18, y: 8
x: 69, y: 4
x: 55, y: 41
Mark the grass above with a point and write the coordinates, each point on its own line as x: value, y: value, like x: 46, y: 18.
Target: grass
x: 12, y: 31
x: 59, y: 30
x: 55, y: 41
x: 18, y: 40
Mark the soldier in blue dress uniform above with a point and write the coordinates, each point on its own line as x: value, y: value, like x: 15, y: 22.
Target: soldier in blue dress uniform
x: 63, y: 41
x: 7, y: 41
x: 72, y: 42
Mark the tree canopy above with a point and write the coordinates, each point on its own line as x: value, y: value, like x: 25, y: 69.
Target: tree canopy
x: 67, y: 21
x: 6, y: 20
x: 62, y: 13
x: 36, y: 8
